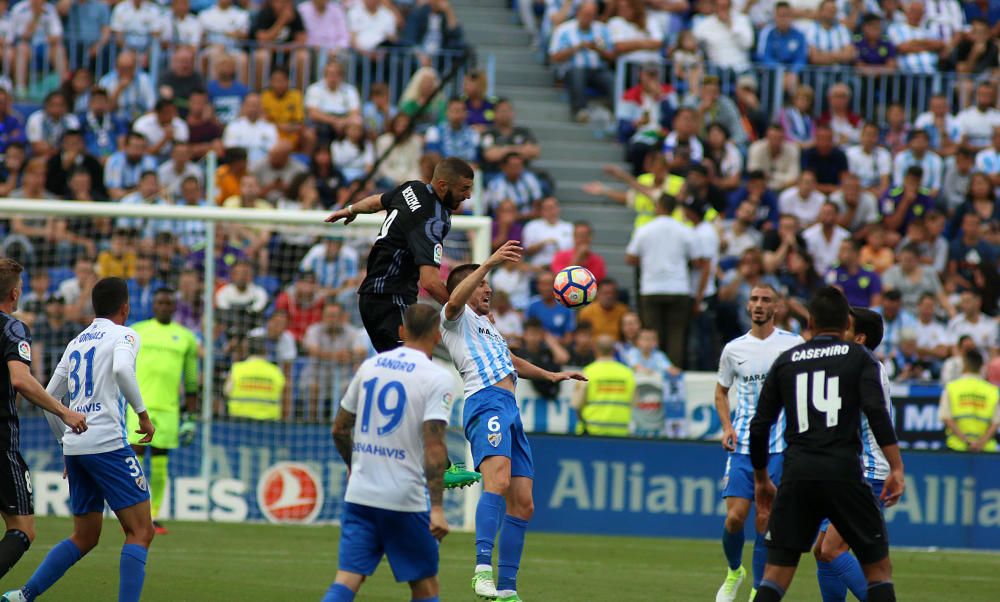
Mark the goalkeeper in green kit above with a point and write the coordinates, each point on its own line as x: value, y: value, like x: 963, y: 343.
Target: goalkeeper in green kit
x: 168, y: 357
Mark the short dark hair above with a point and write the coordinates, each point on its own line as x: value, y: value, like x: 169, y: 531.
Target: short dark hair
x: 914, y: 171
x: 868, y: 323
x: 134, y: 134
x: 280, y: 69
x: 164, y: 290
x: 927, y: 295
x: 973, y: 361
x: 893, y: 295
x: 420, y: 320
x: 256, y: 346
x: 533, y: 323
x: 756, y: 174
x: 452, y: 100
x: 109, y: 295
x: 782, y: 4
x: 98, y: 91
x: 508, y: 156
x: 147, y: 173
x: 870, y: 18
x: 451, y: 169
x: 460, y: 273
x: 10, y: 275
x: 162, y: 103
x: 829, y: 309
x: 668, y: 203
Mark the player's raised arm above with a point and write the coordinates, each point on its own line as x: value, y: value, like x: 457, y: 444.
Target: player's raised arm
x: 455, y: 305
x: 369, y: 204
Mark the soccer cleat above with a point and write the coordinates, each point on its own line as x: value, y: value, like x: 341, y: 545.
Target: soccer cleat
x: 457, y: 477
x: 15, y: 595
x: 731, y: 587
x: 511, y: 598
x: 753, y: 593
x: 482, y: 584
x: 158, y: 528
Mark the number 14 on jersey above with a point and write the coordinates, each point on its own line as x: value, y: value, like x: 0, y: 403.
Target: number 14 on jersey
x: 825, y: 396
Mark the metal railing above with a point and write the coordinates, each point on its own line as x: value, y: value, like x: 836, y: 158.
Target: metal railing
x: 393, y: 66
x: 872, y: 94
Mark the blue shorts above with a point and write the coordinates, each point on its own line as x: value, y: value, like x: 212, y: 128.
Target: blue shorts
x: 738, y: 481
x: 493, y: 428
x: 366, y: 533
x: 114, y: 476
x: 876, y: 489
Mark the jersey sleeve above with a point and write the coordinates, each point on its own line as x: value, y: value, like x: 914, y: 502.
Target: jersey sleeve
x: 349, y: 401
x: 873, y: 402
x: 726, y: 373
x: 386, y: 198
x: 128, y: 341
x: 425, y: 238
x: 452, y: 325
x: 439, y: 399
x: 768, y: 409
x: 17, y: 342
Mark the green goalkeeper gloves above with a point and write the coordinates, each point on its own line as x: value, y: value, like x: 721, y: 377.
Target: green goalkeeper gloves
x: 187, y: 430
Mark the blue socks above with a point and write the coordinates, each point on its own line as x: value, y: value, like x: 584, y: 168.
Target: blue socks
x: 338, y: 592
x: 830, y: 586
x: 434, y: 599
x: 131, y: 572
x: 849, y: 570
x: 732, y: 545
x: 64, y: 555
x: 759, y: 559
x: 488, y: 514
x: 511, y: 546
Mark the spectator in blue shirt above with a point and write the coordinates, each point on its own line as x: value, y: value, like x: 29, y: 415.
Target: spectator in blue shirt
x: 861, y: 286
x: 782, y: 44
x: 559, y: 321
x: 87, y: 27
x: 453, y: 137
x: 583, y: 48
x: 141, y: 289
x: 11, y: 127
x: 123, y: 169
x: 756, y: 192
x: 225, y: 92
x: 101, y: 128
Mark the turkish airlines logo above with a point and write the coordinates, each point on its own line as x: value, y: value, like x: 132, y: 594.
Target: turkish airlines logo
x: 290, y: 492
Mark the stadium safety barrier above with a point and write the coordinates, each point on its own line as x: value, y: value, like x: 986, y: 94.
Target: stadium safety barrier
x: 871, y: 94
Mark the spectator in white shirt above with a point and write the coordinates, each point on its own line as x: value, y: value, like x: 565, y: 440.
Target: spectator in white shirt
x: 224, y: 25
x: 977, y: 122
x: 803, y: 201
x: 45, y: 127
x: 988, y: 159
x: 516, y: 184
x: 162, y: 127
x: 871, y: 163
x: 330, y: 103
x: 173, y: 172
x: 942, y: 127
x: 371, y: 24
x: 973, y: 322
x: 548, y: 234
x: 858, y: 209
x: 34, y: 23
x: 136, y: 24
x: 727, y: 37
x: 823, y: 238
x: 251, y: 131
x: 242, y: 293
x: 179, y: 27
x: 932, y: 338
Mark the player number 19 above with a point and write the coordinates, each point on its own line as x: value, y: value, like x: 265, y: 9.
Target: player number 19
x: 825, y: 398
x: 393, y: 414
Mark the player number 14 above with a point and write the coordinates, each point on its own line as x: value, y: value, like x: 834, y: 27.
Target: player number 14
x: 825, y: 396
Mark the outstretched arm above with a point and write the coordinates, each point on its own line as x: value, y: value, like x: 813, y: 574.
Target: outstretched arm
x: 369, y: 204
x: 526, y: 369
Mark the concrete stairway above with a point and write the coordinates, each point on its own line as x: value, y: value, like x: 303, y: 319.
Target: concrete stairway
x: 570, y: 152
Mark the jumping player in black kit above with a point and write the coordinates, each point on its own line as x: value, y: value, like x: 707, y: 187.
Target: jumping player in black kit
x: 823, y: 386
x: 15, y: 377
x: 410, y: 245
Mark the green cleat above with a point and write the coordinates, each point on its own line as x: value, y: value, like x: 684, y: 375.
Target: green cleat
x: 511, y: 598
x: 731, y: 587
x: 457, y: 477
x: 753, y: 594
x: 482, y: 584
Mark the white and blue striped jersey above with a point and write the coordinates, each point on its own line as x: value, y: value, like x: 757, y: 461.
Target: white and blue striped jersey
x: 569, y: 34
x: 392, y: 395
x: 873, y: 461
x: 86, y: 378
x: 745, y: 363
x: 988, y: 161
x: 827, y: 40
x: 925, y: 121
x: 914, y: 62
x: 331, y: 272
x: 945, y: 17
x: 931, y: 163
x: 478, y: 350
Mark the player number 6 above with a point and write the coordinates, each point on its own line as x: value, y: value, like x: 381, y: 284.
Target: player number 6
x: 493, y: 424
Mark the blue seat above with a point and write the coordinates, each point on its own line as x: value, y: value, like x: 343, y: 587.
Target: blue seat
x: 57, y: 276
x: 269, y: 283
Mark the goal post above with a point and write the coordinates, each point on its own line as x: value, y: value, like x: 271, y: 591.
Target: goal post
x: 234, y: 463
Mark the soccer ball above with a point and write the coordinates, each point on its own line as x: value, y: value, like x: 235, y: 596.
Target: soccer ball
x: 575, y: 286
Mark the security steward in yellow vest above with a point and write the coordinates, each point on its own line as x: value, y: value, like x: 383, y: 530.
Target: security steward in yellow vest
x: 604, y: 403
x: 970, y: 410
x: 255, y: 386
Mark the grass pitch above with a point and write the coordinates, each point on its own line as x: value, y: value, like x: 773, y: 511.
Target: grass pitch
x: 212, y: 562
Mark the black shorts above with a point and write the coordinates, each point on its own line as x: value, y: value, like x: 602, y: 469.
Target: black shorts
x: 15, y: 485
x: 382, y: 316
x: 801, y: 506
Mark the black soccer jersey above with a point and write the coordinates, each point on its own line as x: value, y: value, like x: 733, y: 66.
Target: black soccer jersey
x: 15, y: 343
x: 411, y: 236
x: 823, y: 386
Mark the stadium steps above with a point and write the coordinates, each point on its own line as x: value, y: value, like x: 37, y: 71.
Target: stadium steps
x: 572, y: 155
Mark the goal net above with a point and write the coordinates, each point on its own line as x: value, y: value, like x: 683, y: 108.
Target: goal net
x: 271, y: 292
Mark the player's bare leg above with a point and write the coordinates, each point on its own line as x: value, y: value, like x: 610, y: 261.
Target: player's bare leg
x: 425, y: 590
x: 17, y: 540
x: 344, y: 587
x: 837, y: 569
x: 496, y: 482
x: 520, y: 508
x: 737, y: 511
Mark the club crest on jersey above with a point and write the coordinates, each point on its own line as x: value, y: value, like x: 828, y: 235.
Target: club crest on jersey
x: 24, y: 350
x: 140, y: 482
x: 438, y: 252
x: 447, y: 401
x: 495, y: 439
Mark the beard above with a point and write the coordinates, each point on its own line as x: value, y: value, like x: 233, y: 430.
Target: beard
x: 449, y: 200
x: 768, y: 316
